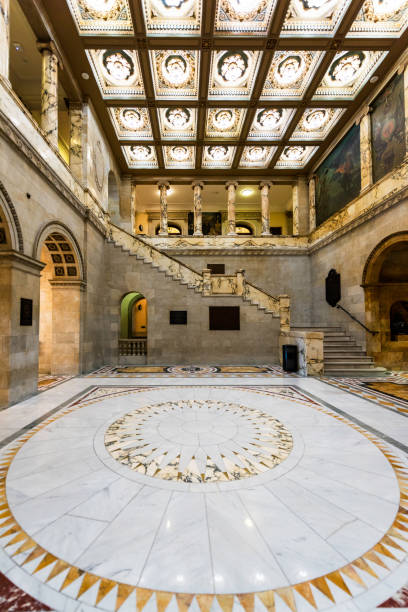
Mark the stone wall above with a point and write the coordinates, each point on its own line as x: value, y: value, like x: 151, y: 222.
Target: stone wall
x: 255, y: 342
x: 287, y: 274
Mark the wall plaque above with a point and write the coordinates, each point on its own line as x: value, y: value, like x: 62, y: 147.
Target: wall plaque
x: 224, y: 317
x: 26, y: 311
x: 178, y: 317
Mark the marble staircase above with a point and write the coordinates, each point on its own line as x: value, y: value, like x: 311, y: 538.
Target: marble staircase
x: 206, y: 284
x: 343, y: 356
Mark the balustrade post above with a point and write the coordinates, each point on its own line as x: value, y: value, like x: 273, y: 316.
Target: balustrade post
x: 284, y: 312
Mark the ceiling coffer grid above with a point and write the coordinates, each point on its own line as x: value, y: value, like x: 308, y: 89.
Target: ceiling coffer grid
x: 249, y: 84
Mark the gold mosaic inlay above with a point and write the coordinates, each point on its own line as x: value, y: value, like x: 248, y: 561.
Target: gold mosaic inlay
x: 198, y: 441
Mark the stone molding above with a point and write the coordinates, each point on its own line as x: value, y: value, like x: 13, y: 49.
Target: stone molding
x: 13, y: 213
x: 33, y: 158
x: 67, y: 284
x: 21, y: 262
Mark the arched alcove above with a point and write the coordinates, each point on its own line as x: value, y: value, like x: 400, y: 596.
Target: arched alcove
x: 172, y: 228
x: 133, y: 328
x: 61, y: 286
x: 244, y: 229
x: 385, y: 282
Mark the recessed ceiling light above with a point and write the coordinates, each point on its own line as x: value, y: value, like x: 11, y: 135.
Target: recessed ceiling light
x: 85, y: 76
x: 247, y: 192
x: 374, y: 79
x: 18, y: 47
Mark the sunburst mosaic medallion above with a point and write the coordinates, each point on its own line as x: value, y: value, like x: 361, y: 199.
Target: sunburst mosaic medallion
x: 197, y: 441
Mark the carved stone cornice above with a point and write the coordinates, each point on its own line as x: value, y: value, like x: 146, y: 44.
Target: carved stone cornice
x: 34, y: 159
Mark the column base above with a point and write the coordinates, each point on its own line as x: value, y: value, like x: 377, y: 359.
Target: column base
x: 199, y: 234
x: 163, y: 234
x: 266, y: 234
x: 232, y: 234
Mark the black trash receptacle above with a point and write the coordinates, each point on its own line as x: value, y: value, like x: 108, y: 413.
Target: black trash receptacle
x: 290, y: 357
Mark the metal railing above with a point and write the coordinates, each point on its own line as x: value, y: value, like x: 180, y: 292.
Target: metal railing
x: 370, y: 331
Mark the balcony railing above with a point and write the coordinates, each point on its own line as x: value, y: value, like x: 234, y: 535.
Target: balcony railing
x: 129, y: 347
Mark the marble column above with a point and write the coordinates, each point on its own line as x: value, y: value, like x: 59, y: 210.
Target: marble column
x: 163, y: 187
x: 49, y: 95
x: 365, y: 151
x: 312, y: 204
x: 198, y: 212
x: 231, y: 188
x: 300, y: 207
x: 76, y: 145
x: 4, y: 38
x: 266, y: 224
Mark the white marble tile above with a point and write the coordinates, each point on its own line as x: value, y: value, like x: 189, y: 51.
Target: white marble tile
x: 106, y: 504
x: 242, y: 561
x: 180, y: 556
x: 301, y: 552
x: 69, y: 536
x: 121, y: 551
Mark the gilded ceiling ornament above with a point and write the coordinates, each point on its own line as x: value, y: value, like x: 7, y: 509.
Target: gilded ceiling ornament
x: 141, y: 152
x: 172, y: 16
x: 290, y: 70
x: 131, y: 119
x: 177, y: 118
x: 294, y: 153
x: 223, y: 119
x: 175, y: 69
x: 217, y: 152
x: 249, y: 10
x: 118, y: 66
x: 313, y: 9
x: 180, y: 153
x: 269, y: 118
x: 233, y: 66
x: 383, y: 10
x: 108, y: 10
x: 255, y: 153
x: 344, y: 70
x: 315, y: 119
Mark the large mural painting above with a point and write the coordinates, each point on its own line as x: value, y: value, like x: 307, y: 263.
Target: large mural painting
x: 338, y: 179
x: 388, y: 128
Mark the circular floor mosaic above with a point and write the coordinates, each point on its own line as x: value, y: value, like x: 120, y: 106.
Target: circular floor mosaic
x: 192, y: 369
x: 198, y: 441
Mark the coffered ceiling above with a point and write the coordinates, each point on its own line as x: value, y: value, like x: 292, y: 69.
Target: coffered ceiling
x: 206, y: 88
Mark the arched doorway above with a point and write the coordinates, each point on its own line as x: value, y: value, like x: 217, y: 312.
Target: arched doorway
x: 61, y: 287
x: 385, y: 282
x: 133, y: 328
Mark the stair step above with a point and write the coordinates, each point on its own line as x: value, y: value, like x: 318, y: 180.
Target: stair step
x: 353, y: 372
x: 352, y: 361
x: 346, y: 350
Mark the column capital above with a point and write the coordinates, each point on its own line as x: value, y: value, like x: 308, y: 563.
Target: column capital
x: 312, y: 177
x: 197, y: 184
x: 263, y: 184
x: 165, y: 184
x: 366, y: 110
x: 231, y: 184
x: 51, y: 47
x: 75, y: 105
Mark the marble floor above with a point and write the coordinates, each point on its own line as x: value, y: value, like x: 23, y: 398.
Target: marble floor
x: 208, y: 494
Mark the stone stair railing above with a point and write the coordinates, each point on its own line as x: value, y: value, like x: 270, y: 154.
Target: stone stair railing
x: 206, y: 283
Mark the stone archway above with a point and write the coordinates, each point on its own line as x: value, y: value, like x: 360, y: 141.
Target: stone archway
x: 385, y: 283
x: 61, y: 287
x: 19, y: 296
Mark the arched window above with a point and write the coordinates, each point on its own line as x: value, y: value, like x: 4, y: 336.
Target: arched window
x: 244, y: 228
x: 173, y: 229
